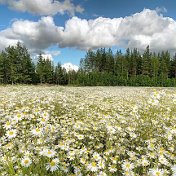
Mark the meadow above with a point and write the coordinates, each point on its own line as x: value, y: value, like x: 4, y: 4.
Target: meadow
x: 87, y: 131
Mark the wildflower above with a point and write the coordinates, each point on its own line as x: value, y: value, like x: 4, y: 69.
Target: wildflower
x: 8, y: 125
x: 112, y: 168
x: 18, y: 117
x: 93, y: 167
x: 101, y: 164
x: 96, y: 156
x: 26, y: 162
x: 127, y: 166
x: 77, y: 171
x: 163, y: 160
x: 80, y: 136
x: 11, y: 133
x: 52, y: 165
x: 43, y: 120
x: 9, y: 145
x: 156, y: 172
x: 102, y: 173
x: 36, y: 131
x: 128, y: 173
x: 48, y: 153
x: 145, y: 162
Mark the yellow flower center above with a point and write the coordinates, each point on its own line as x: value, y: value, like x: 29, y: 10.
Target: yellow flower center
x: 128, y: 165
x: 52, y: 163
x: 11, y: 133
x: 37, y: 130
x: 49, y: 152
x: 93, y: 164
x: 158, y: 173
x: 26, y: 161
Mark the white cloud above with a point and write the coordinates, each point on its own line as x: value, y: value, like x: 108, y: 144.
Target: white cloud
x: 161, y: 10
x: 47, y: 56
x: 138, y: 30
x: 70, y: 67
x: 53, y: 53
x: 44, y: 7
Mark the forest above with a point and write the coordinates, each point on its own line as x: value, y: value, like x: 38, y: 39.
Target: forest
x: 100, y: 67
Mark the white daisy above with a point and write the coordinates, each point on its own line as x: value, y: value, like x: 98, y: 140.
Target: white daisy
x: 127, y: 166
x: 112, y: 168
x: 96, y: 156
x: 11, y: 133
x: 102, y: 174
x: 36, y: 131
x: 156, y: 172
x: 18, y: 117
x: 7, y: 125
x: 47, y: 152
x: 26, y: 162
x: 93, y: 167
x: 53, y: 165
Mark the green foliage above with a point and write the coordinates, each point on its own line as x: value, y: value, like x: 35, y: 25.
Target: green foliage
x: 99, y: 68
x: 16, y: 65
x: 103, y: 68
x: 45, y: 70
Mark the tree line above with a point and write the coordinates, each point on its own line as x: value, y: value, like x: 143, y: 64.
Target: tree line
x: 99, y: 68
x: 102, y: 67
x: 17, y: 67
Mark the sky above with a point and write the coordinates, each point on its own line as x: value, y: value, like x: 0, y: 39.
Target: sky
x: 63, y: 30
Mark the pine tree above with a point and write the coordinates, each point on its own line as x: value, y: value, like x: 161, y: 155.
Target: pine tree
x: 146, y: 62
x: 173, y: 67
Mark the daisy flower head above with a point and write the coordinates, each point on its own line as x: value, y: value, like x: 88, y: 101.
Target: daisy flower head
x: 101, y: 164
x: 128, y: 173
x: 102, y: 174
x: 50, y: 153
x: 127, y: 166
x: 11, y: 133
x: 18, y: 117
x: 8, y: 125
x: 52, y: 165
x: 96, y: 156
x: 144, y: 162
x: 77, y: 171
x: 112, y: 168
x: 26, y: 162
x: 163, y: 160
x: 156, y: 172
x: 93, y: 167
x: 36, y: 131
x: 45, y: 115
x: 47, y: 152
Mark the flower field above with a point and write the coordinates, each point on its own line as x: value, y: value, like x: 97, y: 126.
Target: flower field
x: 87, y: 131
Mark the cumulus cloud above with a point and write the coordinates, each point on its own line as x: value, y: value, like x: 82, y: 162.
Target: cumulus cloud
x: 70, y: 67
x: 138, y: 30
x: 44, y: 7
x: 48, y: 54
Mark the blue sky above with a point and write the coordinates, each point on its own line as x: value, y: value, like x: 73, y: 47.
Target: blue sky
x: 65, y: 30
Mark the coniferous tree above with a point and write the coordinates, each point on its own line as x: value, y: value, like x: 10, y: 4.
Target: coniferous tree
x: 173, y: 67
x: 154, y: 66
x: 145, y: 65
